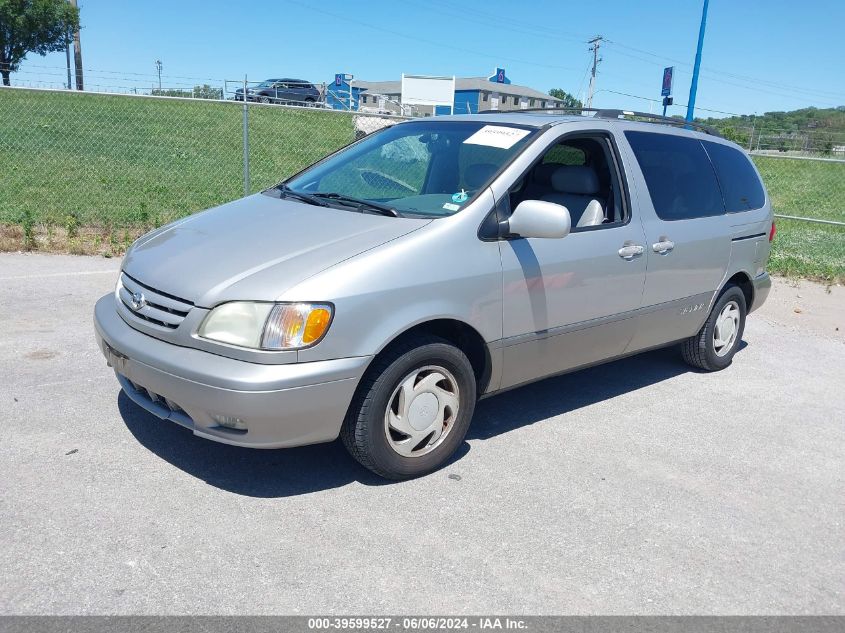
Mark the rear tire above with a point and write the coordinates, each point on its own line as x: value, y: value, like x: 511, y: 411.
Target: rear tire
x: 717, y: 341
x: 422, y: 383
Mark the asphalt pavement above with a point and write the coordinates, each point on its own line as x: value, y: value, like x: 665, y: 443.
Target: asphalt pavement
x: 636, y: 487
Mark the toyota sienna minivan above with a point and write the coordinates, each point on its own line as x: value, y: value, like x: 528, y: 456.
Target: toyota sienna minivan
x: 379, y: 293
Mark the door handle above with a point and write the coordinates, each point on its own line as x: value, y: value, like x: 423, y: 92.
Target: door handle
x: 664, y: 246
x: 630, y: 251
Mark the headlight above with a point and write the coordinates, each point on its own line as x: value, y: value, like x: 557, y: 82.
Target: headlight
x: 271, y: 326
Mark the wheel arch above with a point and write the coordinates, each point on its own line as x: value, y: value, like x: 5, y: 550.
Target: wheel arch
x: 462, y: 335
x: 743, y: 280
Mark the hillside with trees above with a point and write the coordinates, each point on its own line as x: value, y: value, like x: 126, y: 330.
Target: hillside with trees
x: 813, y: 130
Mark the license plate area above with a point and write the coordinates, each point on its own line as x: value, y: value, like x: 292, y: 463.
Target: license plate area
x: 115, y: 359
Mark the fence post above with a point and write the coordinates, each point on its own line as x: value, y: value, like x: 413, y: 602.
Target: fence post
x: 246, y: 142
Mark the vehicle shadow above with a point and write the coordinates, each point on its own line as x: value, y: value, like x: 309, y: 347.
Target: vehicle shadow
x: 296, y: 471
x: 561, y: 394
x: 245, y: 471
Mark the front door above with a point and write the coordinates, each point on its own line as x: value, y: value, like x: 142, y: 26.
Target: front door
x: 572, y: 301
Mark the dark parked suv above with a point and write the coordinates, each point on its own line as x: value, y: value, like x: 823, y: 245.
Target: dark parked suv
x: 281, y: 91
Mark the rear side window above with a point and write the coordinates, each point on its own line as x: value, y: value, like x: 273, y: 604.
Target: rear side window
x: 741, y: 187
x: 563, y: 154
x: 679, y: 175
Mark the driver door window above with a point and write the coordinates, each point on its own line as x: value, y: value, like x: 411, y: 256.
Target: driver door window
x: 581, y: 174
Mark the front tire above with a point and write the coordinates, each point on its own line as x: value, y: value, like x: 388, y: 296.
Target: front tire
x: 412, y: 408
x: 717, y: 341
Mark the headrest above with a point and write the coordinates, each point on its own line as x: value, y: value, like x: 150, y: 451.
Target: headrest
x: 477, y: 175
x: 578, y: 179
x: 543, y: 173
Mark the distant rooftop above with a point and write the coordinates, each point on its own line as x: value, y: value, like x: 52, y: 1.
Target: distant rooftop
x: 461, y: 83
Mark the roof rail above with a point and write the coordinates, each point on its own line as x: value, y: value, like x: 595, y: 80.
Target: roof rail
x: 606, y: 113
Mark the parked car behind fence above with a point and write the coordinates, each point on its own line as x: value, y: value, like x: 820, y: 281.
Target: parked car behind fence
x: 281, y: 91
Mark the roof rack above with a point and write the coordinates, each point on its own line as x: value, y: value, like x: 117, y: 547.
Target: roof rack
x: 606, y: 113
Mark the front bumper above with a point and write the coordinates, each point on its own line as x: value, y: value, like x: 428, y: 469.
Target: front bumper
x: 282, y: 405
x: 762, y: 286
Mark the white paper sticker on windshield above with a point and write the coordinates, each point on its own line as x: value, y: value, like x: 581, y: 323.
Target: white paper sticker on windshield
x: 497, y: 136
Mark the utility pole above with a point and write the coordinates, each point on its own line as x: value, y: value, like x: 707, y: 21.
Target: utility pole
x: 67, y: 59
x: 594, y: 43
x: 77, y: 53
x: 158, y: 68
x: 694, y: 85
x: 751, y: 140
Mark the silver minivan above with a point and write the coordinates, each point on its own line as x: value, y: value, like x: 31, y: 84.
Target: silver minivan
x: 380, y: 292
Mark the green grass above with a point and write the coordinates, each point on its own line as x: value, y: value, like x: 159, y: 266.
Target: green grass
x: 87, y: 173
x: 812, y: 189
x: 122, y: 162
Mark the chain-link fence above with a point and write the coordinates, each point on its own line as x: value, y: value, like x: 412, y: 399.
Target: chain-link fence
x: 87, y: 173
x: 804, y: 187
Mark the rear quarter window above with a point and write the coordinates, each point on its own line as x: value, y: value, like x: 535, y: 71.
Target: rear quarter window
x: 679, y: 175
x: 563, y: 154
x: 741, y: 187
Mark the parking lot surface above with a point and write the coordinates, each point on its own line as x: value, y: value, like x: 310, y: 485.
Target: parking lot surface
x: 635, y: 487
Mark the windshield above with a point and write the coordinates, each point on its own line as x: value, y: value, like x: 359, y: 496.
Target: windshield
x: 266, y: 84
x: 426, y: 168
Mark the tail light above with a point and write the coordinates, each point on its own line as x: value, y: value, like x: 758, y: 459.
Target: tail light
x: 772, y: 231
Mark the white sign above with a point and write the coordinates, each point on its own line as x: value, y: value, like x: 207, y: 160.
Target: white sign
x: 497, y: 136
x: 431, y: 91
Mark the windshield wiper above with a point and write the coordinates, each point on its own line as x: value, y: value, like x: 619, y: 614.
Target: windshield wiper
x: 361, y: 204
x: 287, y: 192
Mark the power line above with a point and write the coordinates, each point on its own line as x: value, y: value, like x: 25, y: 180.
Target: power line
x: 495, y: 21
x: 437, y: 43
x: 720, y: 73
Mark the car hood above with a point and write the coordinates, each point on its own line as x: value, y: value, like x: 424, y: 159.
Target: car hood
x: 255, y: 248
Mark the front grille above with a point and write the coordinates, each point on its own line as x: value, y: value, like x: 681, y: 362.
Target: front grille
x: 156, y: 307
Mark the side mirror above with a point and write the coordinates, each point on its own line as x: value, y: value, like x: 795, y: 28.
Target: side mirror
x: 536, y: 218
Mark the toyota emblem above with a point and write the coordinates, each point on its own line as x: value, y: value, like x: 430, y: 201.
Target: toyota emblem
x: 138, y: 301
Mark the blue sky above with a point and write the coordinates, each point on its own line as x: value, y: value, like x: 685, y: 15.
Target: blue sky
x: 758, y: 56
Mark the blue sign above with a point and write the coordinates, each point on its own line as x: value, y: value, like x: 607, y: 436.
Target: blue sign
x: 338, y: 79
x: 500, y: 77
x: 668, y: 76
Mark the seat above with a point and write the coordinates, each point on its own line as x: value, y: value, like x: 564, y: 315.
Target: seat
x: 540, y: 181
x: 576, y: 187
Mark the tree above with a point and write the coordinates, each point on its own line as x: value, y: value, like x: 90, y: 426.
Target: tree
x: 33, y: 26
x: 207, y: 92
x: 569, y: 101
x: 737, y: 136
x: 826, y: 144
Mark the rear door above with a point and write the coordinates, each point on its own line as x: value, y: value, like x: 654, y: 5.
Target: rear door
x: 688, y: 239
x: 284, y: 90
x: 296, y: 90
